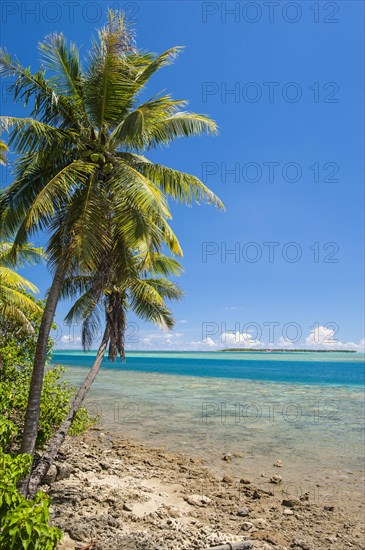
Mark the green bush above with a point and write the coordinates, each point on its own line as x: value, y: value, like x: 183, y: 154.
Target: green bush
x: 24, y: 524
x: 16, y: 360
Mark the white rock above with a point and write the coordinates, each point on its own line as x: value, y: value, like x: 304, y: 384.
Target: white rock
x: 275, y: 479
x: 66, y: 544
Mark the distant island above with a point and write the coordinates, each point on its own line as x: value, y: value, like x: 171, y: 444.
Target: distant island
x: 289, y: 350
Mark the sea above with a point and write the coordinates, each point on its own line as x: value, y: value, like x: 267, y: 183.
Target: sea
x: 241, y: 413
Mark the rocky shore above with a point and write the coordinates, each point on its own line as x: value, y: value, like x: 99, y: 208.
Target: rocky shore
x: 111, y: 493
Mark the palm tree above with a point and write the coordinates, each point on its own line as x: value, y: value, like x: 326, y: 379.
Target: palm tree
x: 3, y: 151
x: 80, y: 161
x: 138, y: 288
x: 15, y: 304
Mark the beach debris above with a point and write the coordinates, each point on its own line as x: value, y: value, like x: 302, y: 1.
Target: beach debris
x: 275, y: 479
x: 278, y: 464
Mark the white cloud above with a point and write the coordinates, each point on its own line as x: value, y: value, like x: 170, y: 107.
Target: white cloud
x: 323, y: 338
x: 209, y: 342
x: 182, y: 321
x: 69, y: 341
x: 240, y: 339
x: 285, y: 343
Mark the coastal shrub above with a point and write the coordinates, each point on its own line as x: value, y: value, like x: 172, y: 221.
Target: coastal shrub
x: 24, y: 524
x: 17, y: 349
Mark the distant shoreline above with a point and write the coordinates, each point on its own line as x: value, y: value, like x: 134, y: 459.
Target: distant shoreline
x: 249, y: 350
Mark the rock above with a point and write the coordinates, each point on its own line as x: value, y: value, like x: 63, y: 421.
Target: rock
x: 228, y: 479
x: 247, y: 526
x: 243, y: 512
x: 79, y: 533
x: 64, y: 470
x: 127, y: 507
x: 278, y: 464
x: 263, y: 474
x: 51, y: 475
x: 67, y: 543
x: 197, y: 500
x: 329, y: 508
x: 245, y: 481
x: 290, y: 502
x: 275, y: 479
x: 301, y: 543
x: 227, y: 458
x: 256, y: 495
x: 260, y: 523
x: 101, y: 436
x: 288, y: 512
x: 238, y: 454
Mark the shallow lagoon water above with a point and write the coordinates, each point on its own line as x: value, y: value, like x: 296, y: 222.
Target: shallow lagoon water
x: 304, y: 409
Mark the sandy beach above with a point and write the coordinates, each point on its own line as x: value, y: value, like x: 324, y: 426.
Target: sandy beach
x: 112, y: 493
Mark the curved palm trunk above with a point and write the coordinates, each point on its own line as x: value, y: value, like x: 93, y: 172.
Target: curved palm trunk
x: 35, y: 391
x: 53, y: 447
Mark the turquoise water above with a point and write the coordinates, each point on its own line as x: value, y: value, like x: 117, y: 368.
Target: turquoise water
x: 294, y: 368
x: 304, y: 409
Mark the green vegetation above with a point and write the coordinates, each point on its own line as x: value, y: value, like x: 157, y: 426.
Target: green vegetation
x: 15, y: 304
x: 17, y: 348
x: 25, y: 523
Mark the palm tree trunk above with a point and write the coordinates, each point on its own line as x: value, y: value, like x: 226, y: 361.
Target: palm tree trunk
x: 54, y: 445
x: 35, y: 391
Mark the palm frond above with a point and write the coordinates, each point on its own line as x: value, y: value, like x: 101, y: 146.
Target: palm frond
x: 181, y: 186
x: 48, y: 106
x: 55, y: 193
x: 27, y: 134
x: 3, y: 152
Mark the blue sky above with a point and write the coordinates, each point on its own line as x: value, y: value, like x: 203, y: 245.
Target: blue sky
x: 285, y: 85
